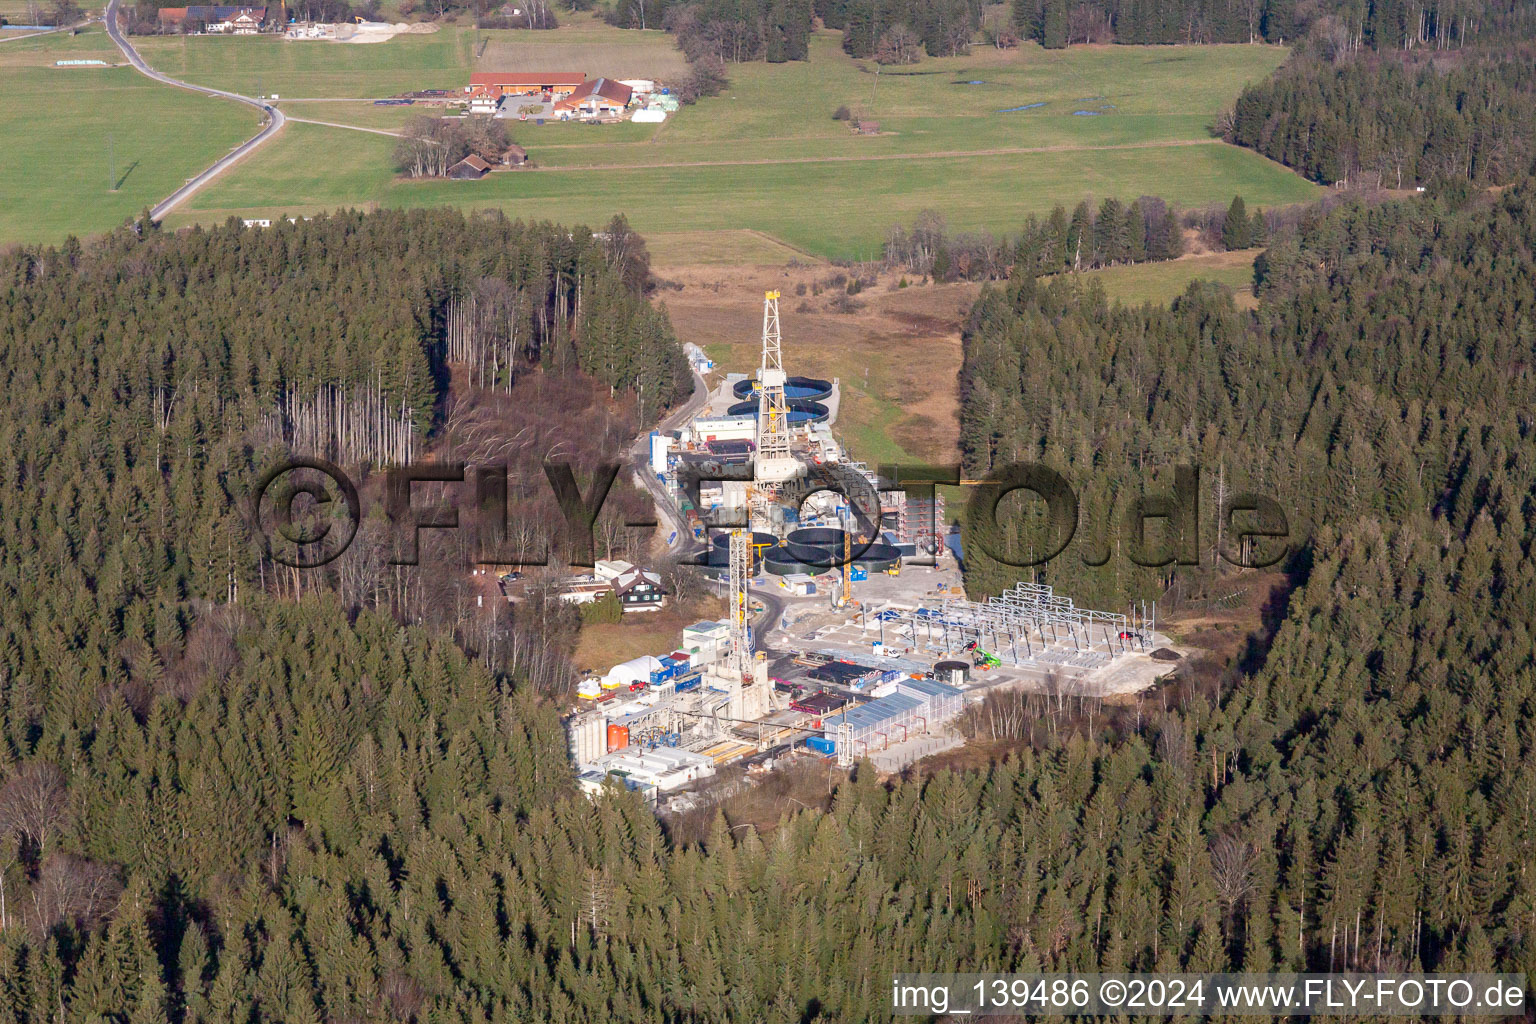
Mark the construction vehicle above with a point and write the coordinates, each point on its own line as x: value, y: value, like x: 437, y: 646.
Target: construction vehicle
x: 983, y: 660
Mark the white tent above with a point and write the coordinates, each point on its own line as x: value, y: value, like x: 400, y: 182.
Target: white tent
x: 649, y: 115
x: 635, y: 670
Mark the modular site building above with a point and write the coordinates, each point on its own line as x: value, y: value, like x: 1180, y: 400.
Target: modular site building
x: 665, y: 768
x: 705, y: 641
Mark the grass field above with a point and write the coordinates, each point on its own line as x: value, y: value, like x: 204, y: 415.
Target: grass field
x: 766, y: 155
x: 25, y: 12
x: 764, y: 160
x: 70, y: 132
x: 1163, y: 282
x: 583, y: 43
x: 263, y: 65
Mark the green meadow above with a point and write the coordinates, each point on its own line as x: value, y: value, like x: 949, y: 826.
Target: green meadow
x: 1163, y: 282
x: 87, y: 148
x: 764, y: 156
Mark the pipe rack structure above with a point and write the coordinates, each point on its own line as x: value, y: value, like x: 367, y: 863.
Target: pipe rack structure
x: 1027, y: 624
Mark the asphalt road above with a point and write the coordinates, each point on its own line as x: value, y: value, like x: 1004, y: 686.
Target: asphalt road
x: 274, y: 116
x: 640, y: 460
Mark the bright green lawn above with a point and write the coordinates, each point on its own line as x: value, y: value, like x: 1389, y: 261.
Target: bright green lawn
x: 65, y: 131
x: 1163, y: 282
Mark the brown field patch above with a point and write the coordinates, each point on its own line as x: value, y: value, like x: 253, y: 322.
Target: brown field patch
x: 896, y: 356
x: 587, y: 46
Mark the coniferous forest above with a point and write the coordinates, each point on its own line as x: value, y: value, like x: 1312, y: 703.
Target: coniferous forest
x: 267, y: 809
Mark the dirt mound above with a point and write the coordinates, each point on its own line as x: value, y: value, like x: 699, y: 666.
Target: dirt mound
x: 1166, y: 654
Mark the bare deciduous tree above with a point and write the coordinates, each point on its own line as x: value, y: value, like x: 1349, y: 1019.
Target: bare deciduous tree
x: 899, y: 45
x: 32, y: 803
x: 1232, y: 870
x: 70, y: 888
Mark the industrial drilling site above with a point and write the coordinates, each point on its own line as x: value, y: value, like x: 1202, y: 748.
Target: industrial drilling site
x: 865, y: 645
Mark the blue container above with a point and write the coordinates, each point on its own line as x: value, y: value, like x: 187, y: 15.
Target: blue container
x: 822, y: 745
x: 689, y: 683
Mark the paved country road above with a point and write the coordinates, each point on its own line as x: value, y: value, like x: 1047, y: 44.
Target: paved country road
x: 274, y: 116
x: 640, y: 461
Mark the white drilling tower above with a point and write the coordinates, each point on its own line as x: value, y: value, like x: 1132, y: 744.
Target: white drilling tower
x: 774, y: 462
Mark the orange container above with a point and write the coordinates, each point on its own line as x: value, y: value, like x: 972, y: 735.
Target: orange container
x: 618, y: 737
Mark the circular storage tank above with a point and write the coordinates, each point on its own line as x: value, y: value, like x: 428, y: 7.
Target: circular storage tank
x: 955, y: 673
x: 800, y: 411
x: 817, y: 536
x: 879, y: 557
x: 718, y: 565
x: 811, y: 389
x: 618, y: 737
x: 820, y: 547
x: 779, y: 562
x: 818, y: 558
x: 761, y: 542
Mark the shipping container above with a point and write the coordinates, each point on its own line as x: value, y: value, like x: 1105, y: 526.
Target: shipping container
x: 822, y: 745
x: 689, y: 683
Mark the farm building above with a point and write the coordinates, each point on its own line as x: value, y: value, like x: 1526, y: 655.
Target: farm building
x: 514, y: 156
x: 240, y: 21
x: 596, y: 97
x: 470, y: 168
x: 486, y: 88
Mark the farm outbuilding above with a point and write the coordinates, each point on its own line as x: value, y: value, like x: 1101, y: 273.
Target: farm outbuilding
x: 470, y: 168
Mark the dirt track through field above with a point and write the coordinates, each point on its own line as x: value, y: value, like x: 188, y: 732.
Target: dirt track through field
x: 351, y: 127
x: 942, y: 154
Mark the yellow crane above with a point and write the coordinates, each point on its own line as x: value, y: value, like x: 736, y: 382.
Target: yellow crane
x: 847, y: 568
